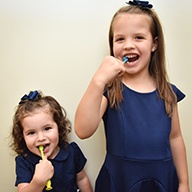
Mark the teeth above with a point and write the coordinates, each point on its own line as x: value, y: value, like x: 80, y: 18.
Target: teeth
x: 131, y: 56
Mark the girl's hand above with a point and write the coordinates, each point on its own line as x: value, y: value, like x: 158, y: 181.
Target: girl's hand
x: 44, y: 171
x: 109, y: 70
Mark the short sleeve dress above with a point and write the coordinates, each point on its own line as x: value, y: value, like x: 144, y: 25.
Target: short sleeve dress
x: 67, y: 164
x: 139, y: 157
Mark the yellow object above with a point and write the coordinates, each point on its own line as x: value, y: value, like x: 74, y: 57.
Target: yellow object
x: 48, y: 184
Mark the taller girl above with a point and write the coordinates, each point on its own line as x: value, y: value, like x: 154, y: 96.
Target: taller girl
x: 145, y: 147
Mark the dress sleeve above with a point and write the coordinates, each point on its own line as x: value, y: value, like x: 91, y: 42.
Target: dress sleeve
x: 23, y: 171
x: 180, y: 95
x: 80, y: 159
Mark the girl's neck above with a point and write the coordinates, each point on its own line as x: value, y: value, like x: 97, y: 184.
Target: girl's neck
x: 144, y: 83
x: 55, y: 153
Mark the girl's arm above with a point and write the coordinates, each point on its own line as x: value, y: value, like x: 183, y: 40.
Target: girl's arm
x: 179, y: 153
x: 30, y: 187
x: 83, y: 182
x: 43, y: 172
x: 90, y: 110
x: 93, y: 104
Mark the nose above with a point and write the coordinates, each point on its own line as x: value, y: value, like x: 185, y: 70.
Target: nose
x: 41, y: 136
x: 129, y: 44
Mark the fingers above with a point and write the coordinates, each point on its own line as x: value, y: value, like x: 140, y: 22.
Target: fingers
x: 112, y: 68
x: 44, y: 171
x: 45, y: 164
x: 109, y: 69
x: 43, y: 160
x: 121, y: 68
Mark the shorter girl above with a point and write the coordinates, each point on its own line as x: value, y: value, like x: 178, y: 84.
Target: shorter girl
x: 41, y: 121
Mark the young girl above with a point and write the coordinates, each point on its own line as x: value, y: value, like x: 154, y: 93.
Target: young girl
x: 41, y: 121
x: 145, y: 148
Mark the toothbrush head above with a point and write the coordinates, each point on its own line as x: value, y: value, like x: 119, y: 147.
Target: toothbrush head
x: 41, y: 148
x: 125, y: 59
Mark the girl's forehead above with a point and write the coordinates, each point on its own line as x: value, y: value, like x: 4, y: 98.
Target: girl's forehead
x: 45, y: 109
x: 133, y: 17
x: 131, y: 20
x: 38, y: 115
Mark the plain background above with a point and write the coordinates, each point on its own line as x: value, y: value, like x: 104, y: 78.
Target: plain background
x: 56, y: 46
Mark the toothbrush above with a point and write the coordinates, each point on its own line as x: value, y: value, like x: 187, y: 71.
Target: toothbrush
x: 48, y: 184
x: 125, y: 59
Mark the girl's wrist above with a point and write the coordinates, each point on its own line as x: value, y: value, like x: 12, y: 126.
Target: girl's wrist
x: 98, y: 82
x: 183, y: 187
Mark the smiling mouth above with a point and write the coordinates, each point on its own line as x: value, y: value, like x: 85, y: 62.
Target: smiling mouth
x: 44, y: 146
x: 132, y: 58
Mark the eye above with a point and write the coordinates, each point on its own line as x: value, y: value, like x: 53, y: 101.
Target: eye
x: 139, y: 37
x: 31, y: 133
x: 119, y: 39
x: 47, y: 128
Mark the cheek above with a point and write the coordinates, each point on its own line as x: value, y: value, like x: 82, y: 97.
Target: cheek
x: 28, y: 142
x: 55, y: 137
x: 146, y: 49
x: 116, y: 50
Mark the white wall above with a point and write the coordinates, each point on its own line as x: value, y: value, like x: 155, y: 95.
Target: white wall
x: 56, y: 46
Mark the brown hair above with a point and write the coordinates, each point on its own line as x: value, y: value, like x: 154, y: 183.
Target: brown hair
x: 29, y: 106
x: 157, y: 67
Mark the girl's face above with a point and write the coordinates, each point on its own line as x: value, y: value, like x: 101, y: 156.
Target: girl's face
x: 39, y: 128
x: 132, y: 38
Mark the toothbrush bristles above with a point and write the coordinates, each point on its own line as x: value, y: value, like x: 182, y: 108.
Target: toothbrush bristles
x: 125, y: 59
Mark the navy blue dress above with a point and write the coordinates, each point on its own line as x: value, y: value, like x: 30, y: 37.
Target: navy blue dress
x: 67, y: 164
x: 139, y: 157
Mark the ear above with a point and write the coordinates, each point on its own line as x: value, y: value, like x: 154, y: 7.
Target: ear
x: 155, y: 44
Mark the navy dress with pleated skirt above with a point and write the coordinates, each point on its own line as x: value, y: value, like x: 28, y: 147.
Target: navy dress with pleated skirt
x: 138, y: 157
